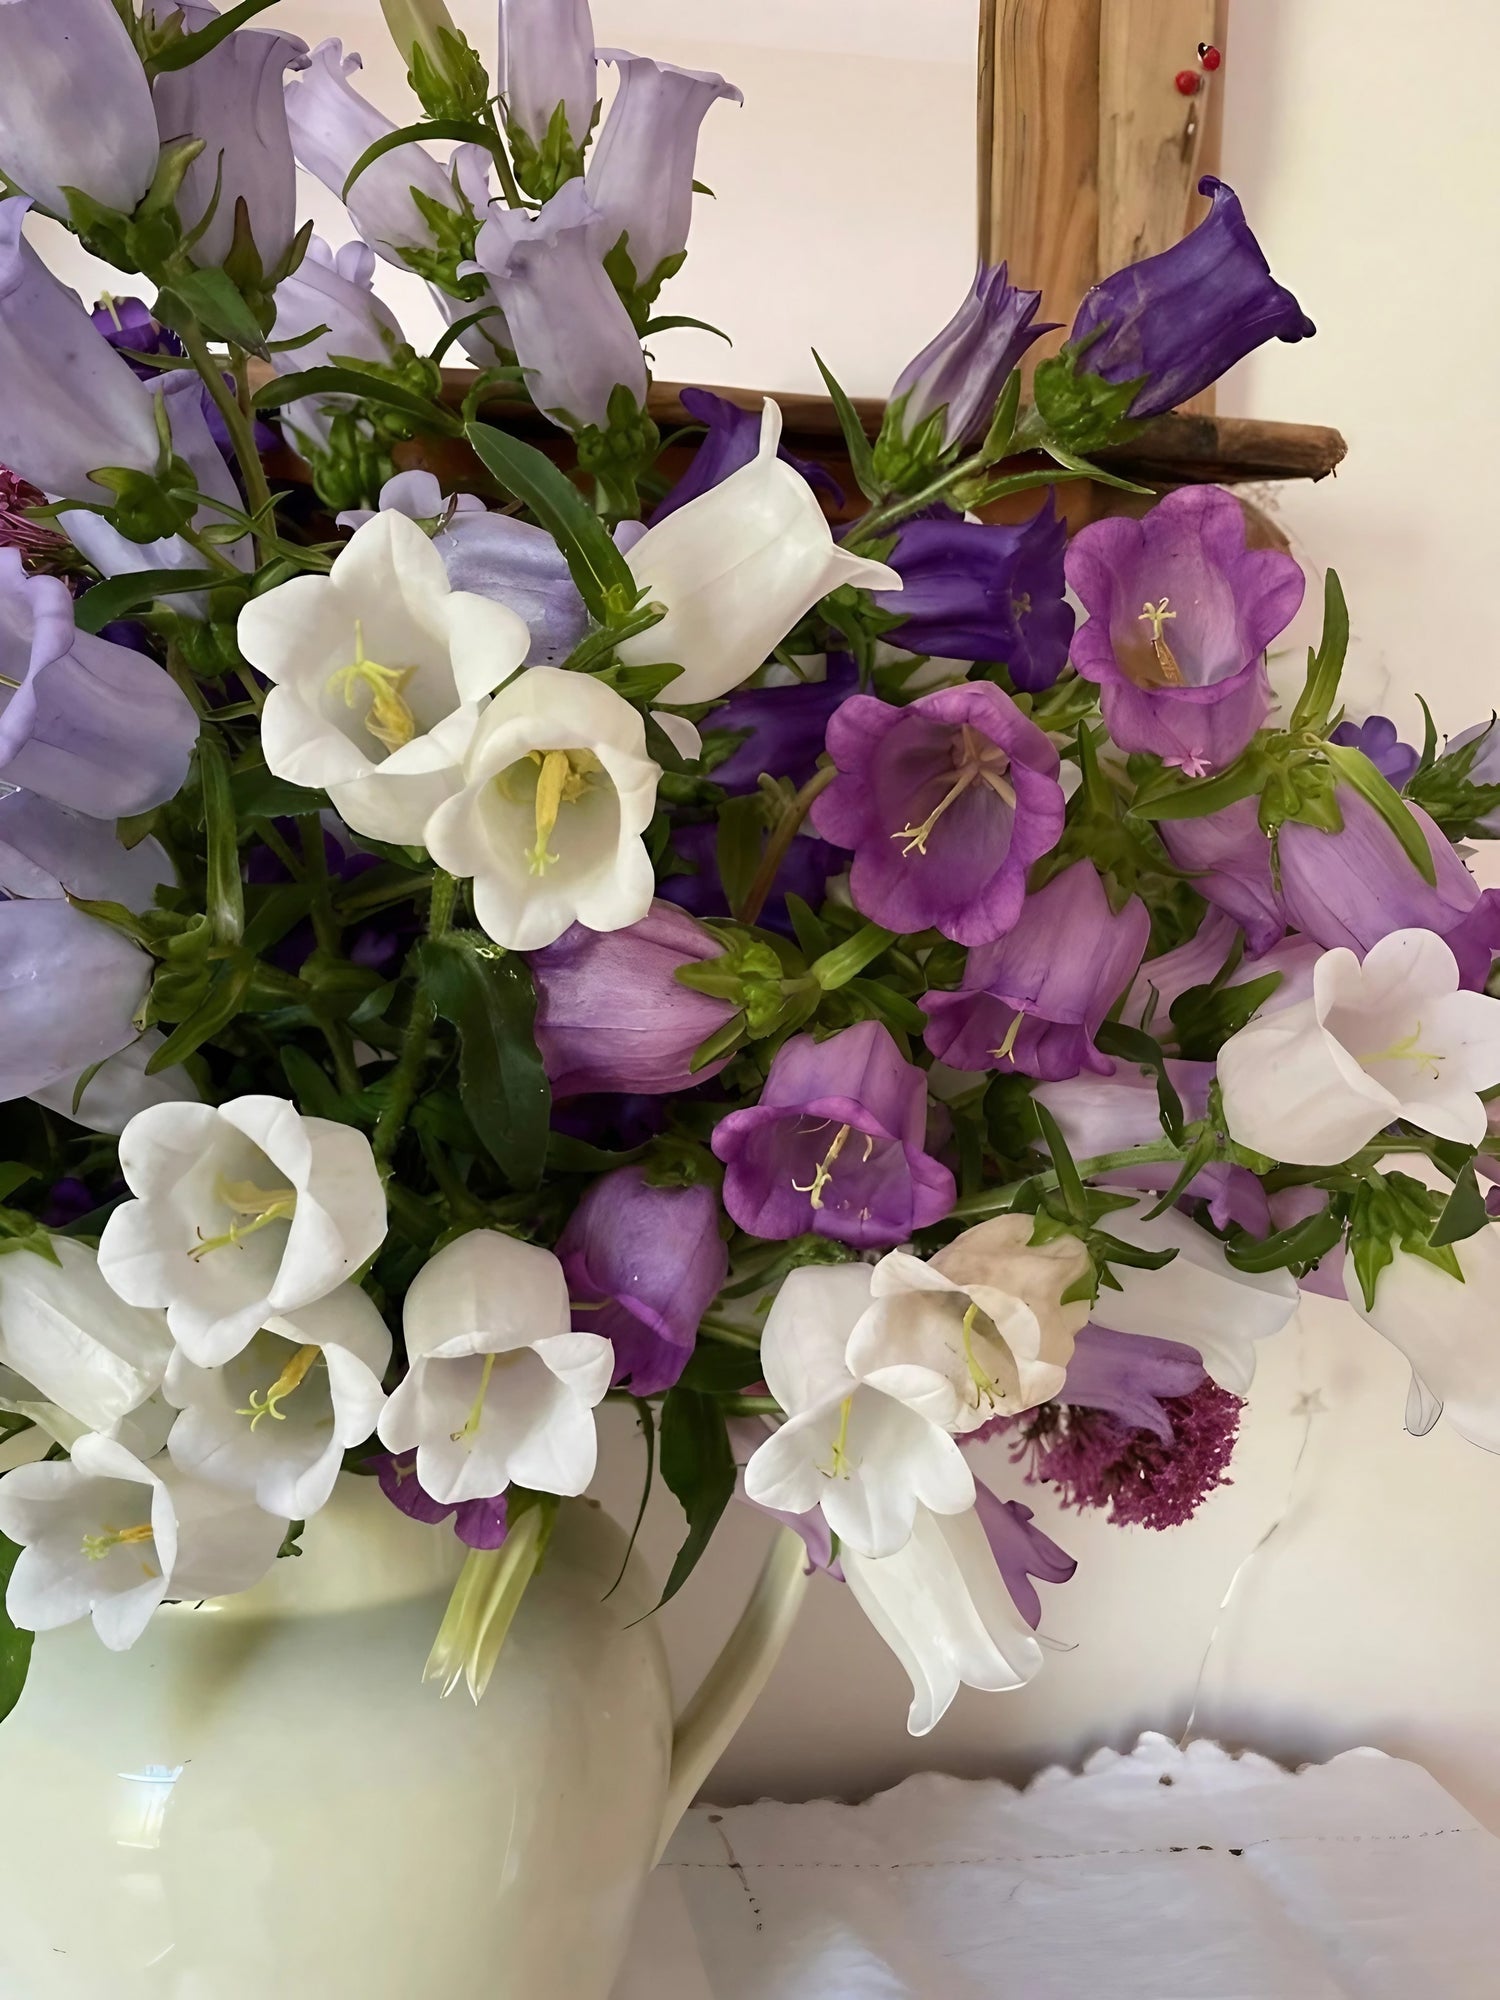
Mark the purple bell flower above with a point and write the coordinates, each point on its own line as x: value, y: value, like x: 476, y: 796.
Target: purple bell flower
x: 1034, y: 1000
x: 946, y: 804
x: 610, y: 1016
x: 835, y: 1145
x: 963, y: 370
x: 731, y: 443
x: 130, y: 326
x: 784, y: 727
x: 805, y: 872
x: 1230, y: 861
x: 87, y: 724
x: 1021, y: 1550
x: 643, y: 1265
x: 1180, y: 614
x: 75, y: 106
x: 1131, y: 1376
x: 479, y: 1524
x: 69, y: 987
x: 1184, y: 317
x: 547, y: 60
x: 977, y: 592
x: 1376, y: 737
x: 640, y: 173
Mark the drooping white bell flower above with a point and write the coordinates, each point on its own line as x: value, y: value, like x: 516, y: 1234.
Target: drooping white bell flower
x: 1391, y: 1038
x: 380, y: 670
x: 869, y: 1461
x: 275, y: 1421
x: 557, y: 791
x: 67, y: 1334
x: 243, y: 1212
x: 737, y: 568
x: 109, y: 1537
x: 500, y: 1386
x: 1447, y: 1331
x: 1199, y: 1299
x: 941, y: 1606
x: 978, y: 1332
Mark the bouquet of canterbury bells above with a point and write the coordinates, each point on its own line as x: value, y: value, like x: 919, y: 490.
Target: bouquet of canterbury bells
x: 851, y: 984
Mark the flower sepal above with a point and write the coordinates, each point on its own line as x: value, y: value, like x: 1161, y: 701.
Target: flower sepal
x: 488, y: 1595
x: 1078, y: 410
x: 541, y: 168
x: 1448, y: 792
x: 617, y: 453
x: 1392, y: 1212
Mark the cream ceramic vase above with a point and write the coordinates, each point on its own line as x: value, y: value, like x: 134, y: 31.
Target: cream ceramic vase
x: 262, y: 1801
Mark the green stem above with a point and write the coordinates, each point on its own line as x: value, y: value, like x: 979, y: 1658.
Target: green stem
x: 380, y: 899
x: 330, y: 940
x: 997, y: 1201
x: 732, y: 1336
x: 238, y: 422
x: 784, y: 833
x: 501, y: 157
x: 895, y: 511
x: 212, y: 555
x: 407, y: 1074
x: 750, y: 1406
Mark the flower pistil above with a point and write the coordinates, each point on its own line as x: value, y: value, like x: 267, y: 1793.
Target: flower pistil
x: 267, y: 1402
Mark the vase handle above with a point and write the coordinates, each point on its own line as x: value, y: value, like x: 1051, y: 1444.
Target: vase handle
x: 733, y: 1683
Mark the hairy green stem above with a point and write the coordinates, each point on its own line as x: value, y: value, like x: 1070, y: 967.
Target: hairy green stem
x: 237, y: 421
x: 782, y: 836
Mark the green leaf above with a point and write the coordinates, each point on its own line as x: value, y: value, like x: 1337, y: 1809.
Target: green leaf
x: 668, y: 322
x: 316, y: 1094
x: 465, y: 130
x: 486, y: 992
x: 601, y: 573
x: 330, y: 380
x: 226, y: 888
x: 1356, y: 770
x: 1206, y: 1016
x: 213, y: 298
x: 15, y: 1646
x: 741, y: 827
x: 811, y: 932
x: 648, y: 1431
x: 1069, y: 1184
x: 698, y: 1467
x: 14, y: 1174
x: 1176, y: 800
x: 456, y: 329
x: 1303, y: 1244
x: 224, y: 1001
x: 260, y: 794
x: 1465, y: 1214
x: 103, y: 603
x: 848, y: 960
x: 1135, y: 1045
x: 1315, y: 703
x: 861, y: 452
x: 192, y: 48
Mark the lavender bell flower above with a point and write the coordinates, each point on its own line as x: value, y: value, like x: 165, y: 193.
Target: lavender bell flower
x: 961, y: 373
x: 732, y: 442
x: 75, y: 107
x: 640, y: 174
x: 643, y: 1265
x: 978, y: 592
x: 87, y: 724
x: 71, y: 405
x: 573, y: 337
x: 1130, y: 1376
x: 1230, y: 861
x: 68, y: 989
x: 1180, y: 614
x: 946, y: 804
x: 1162, y: 981
x: 1184, y: 317
x: 1035, y: 999
x: 47, y: 851
x: 547, y: 61
x: 610, y: 1015
x: 1021, y: 1551
x: 835, y: 1145
x: 805, y: 871
x: 479, y: 1524
x: 1376, y: 736
x: 234, y: 99
x: 332, y: 289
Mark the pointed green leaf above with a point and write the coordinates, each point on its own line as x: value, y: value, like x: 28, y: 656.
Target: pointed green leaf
x: 1356, y: 770
x: 698, y: 1467
x: 464, y: 130
x: 118, y: 596
x: 15, y: 1645
x: 1315, y: 703
x: 487, y: 993
x: 601, y: 573
x: 226, y: 888
x: 213, y: 298
x: 192, y: 48
x: 370, y: 388
x: 1465, y: 1214
x: 861, y: 452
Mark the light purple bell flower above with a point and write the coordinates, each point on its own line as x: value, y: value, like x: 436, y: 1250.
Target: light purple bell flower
x: 75, y: 107
x: 835, y: 1145
x: 1376, y: 736
x: 547, y: 59
x: 1180, y: 614
x: 1021, y: 1551
x: 234, y: 99
x: 47, y: 851
x: 1130, y: 1375
x: 1230, y: 862
x: 643, y: 1265
x: 1163, y: 980
x: 611, y: 1016
x: 71, y: 405
x: 640, y: 173
x: 946, y: 804
x: 69, y: 986
x: 963, y: 370
x: 1034, y: 1000
x: 85, y: 723
x: 332, y: 289
x: 478, y: 1524
x: 573, y: 336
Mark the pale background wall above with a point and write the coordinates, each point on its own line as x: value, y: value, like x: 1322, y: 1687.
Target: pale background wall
x: 1363, y: 139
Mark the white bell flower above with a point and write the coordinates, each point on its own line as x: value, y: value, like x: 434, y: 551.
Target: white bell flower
x: 869, y: 1461
x: 80, y: 1347
x: 380, y: 671
x: 941, y: 1606
x: 243, y: 1212
x: 501, y: 1388
x: 1446, y: 1330
x: 109, y: 1537
x: 1199, y: 1299
x: 275, y: 1421
x: 978, y: 1332
x: 557, y: 791
x: 1391, y: 1038
x: 736, y: 569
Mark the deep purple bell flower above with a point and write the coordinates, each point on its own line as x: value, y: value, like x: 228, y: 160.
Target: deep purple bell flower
x: 1034, y: 1000
x: 1021, y: 1550
x: 1184, y: 317
x: 805, y: 872
x: 130, y: 327
x: 963, y: 370
x: 979, y: 592
x: 643, y: 1265
x: 1180, y: 614
x: 479, y: 1524
x: 946, y: 804
x: 782, y: 728
x: 1377, y: 737
x: 731, y: 442
x: 835, y: 1145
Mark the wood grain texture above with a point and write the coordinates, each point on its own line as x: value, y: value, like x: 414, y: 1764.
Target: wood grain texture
x: 1151, y: 137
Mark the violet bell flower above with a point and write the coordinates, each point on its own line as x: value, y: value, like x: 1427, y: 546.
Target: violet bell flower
x: 478, y: 1524
x: 640, y: 173
x: 643, y: 1265
x: 69, y: 987
x: 946, y: 804
x: 781, y: 730
x: 1182, y: 318
x: 1229, y: 858
x: 697, y: 886
x: 75, y: 107
x: 961, y: 373
x: 611, y: 1016
x: 731, y: 442
x: 836, y: 1145
x: 1034, y: 1000
x: 72, y: 406
x: 332, y: 289
x: 1021, y: 1551
x: 572, y: 335
x: 1376, y: 736
x: 973, y: 591
x: 1180, y: 614
x: 546, y: 64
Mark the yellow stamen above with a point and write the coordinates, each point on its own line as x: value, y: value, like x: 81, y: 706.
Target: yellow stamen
x: 97, y: 1547
x: 262, y: 1205
x: 476, y: 1412
x: 842, y: 1467
x: 389, y: 719
x: 1406, y: 1050
x: 1003, y: 1053
x: 824, y: 1173
x: 985, y: 1389
x: 1157, y: 615
x: 267, y: 1403
x: 562, y: 778
x: 977, y: 758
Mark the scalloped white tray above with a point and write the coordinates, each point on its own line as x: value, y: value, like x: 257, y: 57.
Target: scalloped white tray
x: 1161, y: 1875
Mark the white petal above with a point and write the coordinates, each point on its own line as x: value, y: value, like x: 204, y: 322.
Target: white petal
x: 485, y: 1293
x: 1291, y: 1090
x: 807, y: 1331
x: 1446, y: 1329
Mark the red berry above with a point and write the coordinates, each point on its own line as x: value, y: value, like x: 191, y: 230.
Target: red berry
x: 1188, y: 82
x: 1209, y: 56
